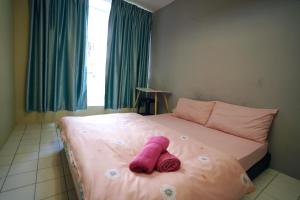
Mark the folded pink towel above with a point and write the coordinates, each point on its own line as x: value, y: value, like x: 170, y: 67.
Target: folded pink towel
x: 146, y: 160
x: 167, y: 163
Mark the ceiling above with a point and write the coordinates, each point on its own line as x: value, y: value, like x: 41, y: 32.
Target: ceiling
x: 151, y: 5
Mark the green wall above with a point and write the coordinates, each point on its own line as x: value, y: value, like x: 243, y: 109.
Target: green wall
x: 7, y: 109
x: 244, y: 52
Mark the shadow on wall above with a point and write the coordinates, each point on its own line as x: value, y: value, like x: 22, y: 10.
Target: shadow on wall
x: 7, y: 97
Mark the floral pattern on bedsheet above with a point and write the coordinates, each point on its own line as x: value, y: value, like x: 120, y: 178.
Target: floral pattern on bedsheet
x: 104, y: 145
x: 168, y: 192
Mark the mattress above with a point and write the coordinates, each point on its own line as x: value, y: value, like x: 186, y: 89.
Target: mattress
x: 99, y: 149
x: 247, y: 152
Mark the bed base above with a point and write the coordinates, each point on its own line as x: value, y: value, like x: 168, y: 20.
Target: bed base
x: 74, y: 174
x: 259, y: 167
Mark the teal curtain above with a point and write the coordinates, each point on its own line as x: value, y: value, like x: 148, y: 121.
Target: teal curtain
x: 127, y: 53
x: 56, y: 72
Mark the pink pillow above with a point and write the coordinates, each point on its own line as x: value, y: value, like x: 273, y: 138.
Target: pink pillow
x: 245, y: 122
x: 192, y: 110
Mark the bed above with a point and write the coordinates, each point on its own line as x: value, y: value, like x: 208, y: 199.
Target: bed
x: 246, y: 151
x: 99, y: 149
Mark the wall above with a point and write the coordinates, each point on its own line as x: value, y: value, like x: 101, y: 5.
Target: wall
x: 21, y: 36
x: 7, y: 118
x: 242, y: 52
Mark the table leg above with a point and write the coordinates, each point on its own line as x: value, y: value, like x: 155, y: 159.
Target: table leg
x: 155, y: 102
x: 137, y: 98
x: 166, y: 102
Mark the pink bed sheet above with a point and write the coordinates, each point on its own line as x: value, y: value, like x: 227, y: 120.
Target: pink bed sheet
x: 103, y: 145
x: 247, y: 152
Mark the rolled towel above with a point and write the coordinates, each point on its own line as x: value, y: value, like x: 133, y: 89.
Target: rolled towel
x: 147, y: 158
x: 167, y: 163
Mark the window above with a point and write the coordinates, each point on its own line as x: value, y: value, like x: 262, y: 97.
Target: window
x: 96, y: 51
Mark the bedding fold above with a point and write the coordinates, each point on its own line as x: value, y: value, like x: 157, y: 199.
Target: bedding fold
x: 146, y: 160
x: 167, y: 163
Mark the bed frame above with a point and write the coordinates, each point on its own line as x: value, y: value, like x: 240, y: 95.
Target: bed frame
x: 259, y: 167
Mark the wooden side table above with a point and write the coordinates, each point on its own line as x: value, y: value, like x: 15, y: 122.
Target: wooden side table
x: 156, y: 93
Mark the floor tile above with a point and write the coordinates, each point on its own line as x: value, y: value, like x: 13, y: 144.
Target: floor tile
x: 288, y: 180
x: 49, y: 140
x: 25, y: 144
x: 28, y: 148
x: 49, y: 146
x: 50, y: 152
x: 49, y: 132
x: 271, y: 172
x: 49, y: 126
x: 8, y: 150
x: 34, y: 141
x: 23, y: 167
x: 6, y: 160
x: 19, y: 127
x: 23, y: 193
x: 3, y: 171
x: 50, y: 188
x: 14, y: 138
x: 33, y: 126
x: 247, y: 197
x: 1, y: 182
x: 48, y: 136
x: 10, y: 145
x: 50, y: 161
x: 49, y: 173
x: 62, y: 196
x: 31, y: 136
x: 32, y: 131
x: 19, y: 180
x: 263, y: 180
x: 283, y: 187
x: 252, y: 195
x: 25, y: 157
x: 266, y: 197
x: 16, y: 133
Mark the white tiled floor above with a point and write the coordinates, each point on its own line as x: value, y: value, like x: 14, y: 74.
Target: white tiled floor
x: 33, y: 166
x: 272, y: 185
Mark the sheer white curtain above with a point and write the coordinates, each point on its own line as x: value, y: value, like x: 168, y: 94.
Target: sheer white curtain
x: 96, y: 50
